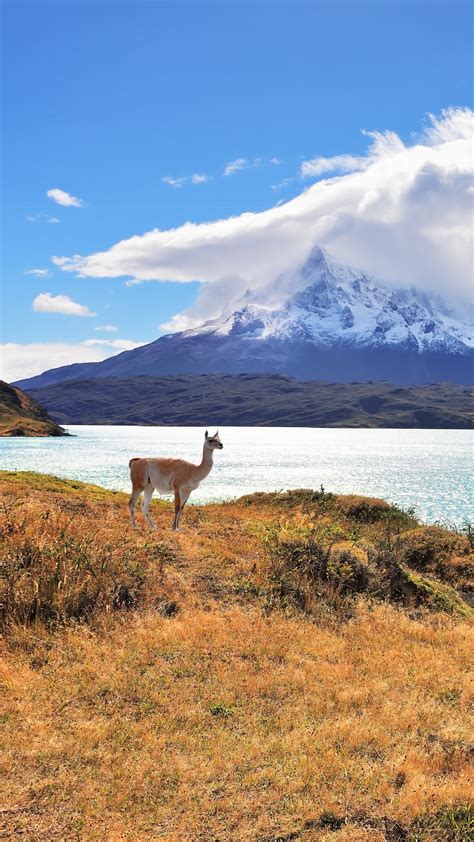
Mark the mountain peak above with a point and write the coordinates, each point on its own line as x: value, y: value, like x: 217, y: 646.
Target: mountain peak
x: 321, y: 321
x: 329, y: 305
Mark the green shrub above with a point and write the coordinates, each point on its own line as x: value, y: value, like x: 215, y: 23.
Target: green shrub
x: 295, y: 567
x: 347, y: 568
x: 431, y: 549
x: 449, y: 824
x: 363, y: 509
x: 413, y: 589
x: 223, y: 711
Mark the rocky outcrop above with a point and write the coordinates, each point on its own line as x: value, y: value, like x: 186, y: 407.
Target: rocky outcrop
x: 21, y: 415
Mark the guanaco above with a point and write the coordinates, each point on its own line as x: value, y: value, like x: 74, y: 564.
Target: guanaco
x: 169, y: 475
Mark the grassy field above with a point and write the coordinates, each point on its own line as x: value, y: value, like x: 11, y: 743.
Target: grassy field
x: 286, y: 667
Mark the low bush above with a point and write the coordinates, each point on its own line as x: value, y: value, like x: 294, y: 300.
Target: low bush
x: 413, y: 589
x: 296, y: 566
x: 308, y: 567
x: 61, y: 567
x: 364, y: 509
x: 367, y: 510
x: 431, y: 549
x: 348, y: 568
x: 306, y: 498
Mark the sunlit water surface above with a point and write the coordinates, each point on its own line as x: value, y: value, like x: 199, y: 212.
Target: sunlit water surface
x: 429, y: 470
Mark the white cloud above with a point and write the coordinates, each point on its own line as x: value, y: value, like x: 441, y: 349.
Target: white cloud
x: 283, y: 183
x: 195, y: 178
x: 107, y: 328
x: 38, y: 217
x: 198, y: 178
x: 173, y: 182
x: 230, y: 169
x: 235, y: 166
x: 383, y: 145
x: 120, y: 344
x: 404, y: 214
x: 40, y: 273
x: 19, y: 361
x: 61, y: 197
x: 338, y: 163
x: 47, y: 303
x: 246, y: 164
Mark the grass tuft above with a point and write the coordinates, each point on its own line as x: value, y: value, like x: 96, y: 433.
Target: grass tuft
x: 448, y: 824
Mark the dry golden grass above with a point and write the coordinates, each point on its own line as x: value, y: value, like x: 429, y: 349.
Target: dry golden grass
x: 188, y: 702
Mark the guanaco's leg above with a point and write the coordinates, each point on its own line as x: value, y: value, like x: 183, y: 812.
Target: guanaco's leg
x: 147, y: 495
x: 133, y: 502
x: 177, y: 506
x: 180, y: 498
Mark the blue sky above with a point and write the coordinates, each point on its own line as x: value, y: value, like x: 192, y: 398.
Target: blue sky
x: 104, y: 100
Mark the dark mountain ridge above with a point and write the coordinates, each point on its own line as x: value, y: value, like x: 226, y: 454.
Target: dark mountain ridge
x: 255, y: 400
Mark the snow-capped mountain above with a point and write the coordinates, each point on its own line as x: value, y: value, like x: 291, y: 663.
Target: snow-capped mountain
x: 337, y: 305
x: 324, y: 321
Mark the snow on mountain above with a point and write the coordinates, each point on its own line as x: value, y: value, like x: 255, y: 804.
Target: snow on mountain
x: 337, y: 305
x: 323, y: 321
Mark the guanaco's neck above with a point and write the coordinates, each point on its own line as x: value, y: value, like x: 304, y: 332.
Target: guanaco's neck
x: 206, y: 461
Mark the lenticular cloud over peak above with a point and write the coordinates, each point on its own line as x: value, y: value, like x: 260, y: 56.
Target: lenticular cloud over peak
x: 402, y: 212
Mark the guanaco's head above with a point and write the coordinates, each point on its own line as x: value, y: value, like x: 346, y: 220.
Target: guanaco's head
x: 213, y: 442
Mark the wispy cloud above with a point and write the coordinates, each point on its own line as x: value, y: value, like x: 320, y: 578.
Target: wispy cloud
x: 119, y: 344
x: 405, y: 215
x: 107, y: 328
x: 249, y: 163
x: 61, y: 197
x: 230, y: 168
x: 173, y: 182
x: 199, y: 178
x: 47, y: 303
x: 39, y: 273
x: 383, y: 144
x: 282, y: 184
x: 235, y: 166
x: 338, y: 163
x: 42, y: 217
x: 195, y: 178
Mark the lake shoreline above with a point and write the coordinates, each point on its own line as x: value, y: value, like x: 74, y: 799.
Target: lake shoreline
x: 429, y: 471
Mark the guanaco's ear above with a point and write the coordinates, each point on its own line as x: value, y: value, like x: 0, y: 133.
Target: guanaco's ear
x: 207, y: 434
x: 216, y: 434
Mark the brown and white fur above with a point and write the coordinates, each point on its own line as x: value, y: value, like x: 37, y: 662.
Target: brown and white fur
x: 169, y: 475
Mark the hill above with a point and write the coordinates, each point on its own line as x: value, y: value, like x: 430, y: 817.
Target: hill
x: 323, y: 321
x: 255, y: 400
x: 21, y: 415
x: 288, y: 666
